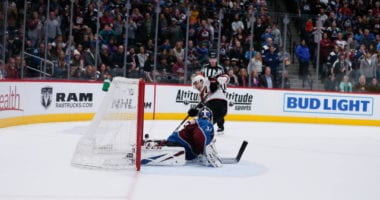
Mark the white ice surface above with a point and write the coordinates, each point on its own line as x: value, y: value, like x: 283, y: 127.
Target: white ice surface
x: 282, y: 161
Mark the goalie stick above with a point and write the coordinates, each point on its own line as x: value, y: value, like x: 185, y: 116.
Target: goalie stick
x: 235, y: 160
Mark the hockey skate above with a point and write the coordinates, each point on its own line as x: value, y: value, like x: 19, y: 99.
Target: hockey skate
x: 220, y: 131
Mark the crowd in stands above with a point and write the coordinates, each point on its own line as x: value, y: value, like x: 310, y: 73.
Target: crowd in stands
x: 350, y: 34
x: 73, y: 51
x: 349, y: 53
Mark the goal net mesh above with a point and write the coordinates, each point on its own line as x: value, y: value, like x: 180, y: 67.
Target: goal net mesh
x: 112, y: 139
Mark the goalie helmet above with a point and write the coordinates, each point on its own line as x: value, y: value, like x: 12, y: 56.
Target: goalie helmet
x: 205, y: 113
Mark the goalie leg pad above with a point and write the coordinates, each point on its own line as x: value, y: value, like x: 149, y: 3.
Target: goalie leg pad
x: 210, y: 157
x: 163, y: 156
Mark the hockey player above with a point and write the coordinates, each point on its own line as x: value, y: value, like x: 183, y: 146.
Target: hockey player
x: 196, y: 137
x: 216, y: 100
x: 212, y: 90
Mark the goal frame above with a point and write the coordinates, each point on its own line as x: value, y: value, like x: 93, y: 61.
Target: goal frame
x: 140, y: 122
x: 114, y: 138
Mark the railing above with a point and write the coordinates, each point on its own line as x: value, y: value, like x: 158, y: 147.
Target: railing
x: 43, y: 69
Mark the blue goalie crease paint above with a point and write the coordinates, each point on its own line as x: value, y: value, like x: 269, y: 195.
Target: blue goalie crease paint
x: 329, y: 104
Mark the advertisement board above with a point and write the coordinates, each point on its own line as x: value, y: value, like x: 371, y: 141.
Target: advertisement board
x: 43, y: 101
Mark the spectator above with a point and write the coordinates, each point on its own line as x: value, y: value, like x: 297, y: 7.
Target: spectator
x: 3, y: 72
x: 368, y: 66
x: 333, y: 30
x: 176, y: 27
x: 117, y: 58
x: 285, y: 58
x: 326, y: 47
x: 330, y: 83
x: 142, y: 57
x: 236, y: 24
x: 255, y: 79
x: 267, y: 80
x: 178, y: 50
x: 163, y: 67
x: 34, y: 29
x: 133, y: 71
x: 377, y: 74
x: 132, y: 59
x: 341, y: 67
x: 361, y: 86
x: 303, y: 55
x: 234, y: 81
x: 105, y: 55
x: 107, y: 33
x: 226, y: 63
x: 90, y: 16
x: 345, y: 85
x: 374, y: 85
x: 12, y: 71
x: 368, y: 39
x: 106, y: 18
x: 204, y: 33
x: 285, y: 80
x: 60, y: 70
x: 148, y: 68
x: 340, y: 42
x: 249, y: 54
x: 256, y: 64
x: 76, y: 65
x: 132, y: 28
x: 178, y: 69
x: 202, y: 52
x: 89, y: 73
x: 89, y: 56
x: 272, y: 59
x: 52, y: 26
x: 259, y: 29
x: 243, y: 77
x: 276, y: 33
x: 102, y: 72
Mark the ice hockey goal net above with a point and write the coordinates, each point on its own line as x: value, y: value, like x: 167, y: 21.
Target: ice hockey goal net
x: 113, y: 139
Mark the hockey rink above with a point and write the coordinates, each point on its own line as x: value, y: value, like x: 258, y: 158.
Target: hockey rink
x: 283, y: 161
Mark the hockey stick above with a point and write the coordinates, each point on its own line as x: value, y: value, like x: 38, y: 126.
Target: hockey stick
x: 183, y: 121
x: 236, y: 159
x: 187, y: 117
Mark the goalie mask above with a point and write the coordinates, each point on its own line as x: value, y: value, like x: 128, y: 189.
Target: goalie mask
x: 205, y: 113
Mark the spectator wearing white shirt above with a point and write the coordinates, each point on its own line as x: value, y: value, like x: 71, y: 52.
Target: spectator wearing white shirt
x: 237, y: 24
x: 256, y: 64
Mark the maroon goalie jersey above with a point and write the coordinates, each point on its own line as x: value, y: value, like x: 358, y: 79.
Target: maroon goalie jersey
x: 194, y: 137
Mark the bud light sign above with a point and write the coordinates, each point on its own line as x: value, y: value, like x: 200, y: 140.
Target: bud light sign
x: 328, y: 104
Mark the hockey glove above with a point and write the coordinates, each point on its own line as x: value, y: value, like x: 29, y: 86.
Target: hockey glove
x: 213, y: 87
x: 192, y: 112
x: 200, y: 105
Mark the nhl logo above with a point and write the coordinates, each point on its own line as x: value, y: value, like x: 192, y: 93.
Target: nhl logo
x: 46, y: 96
x: 131, y: 91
